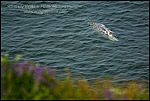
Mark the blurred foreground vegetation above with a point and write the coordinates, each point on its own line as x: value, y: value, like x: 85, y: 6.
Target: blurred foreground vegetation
x: 27, y: 80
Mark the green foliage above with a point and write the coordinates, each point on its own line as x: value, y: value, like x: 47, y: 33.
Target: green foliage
x: 27, y: 81
x: 4, y: 62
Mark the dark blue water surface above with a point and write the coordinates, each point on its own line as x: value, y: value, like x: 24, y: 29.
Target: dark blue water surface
x: 55, y: 33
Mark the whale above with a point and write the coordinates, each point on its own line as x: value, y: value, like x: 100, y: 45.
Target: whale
x: 102, y: 30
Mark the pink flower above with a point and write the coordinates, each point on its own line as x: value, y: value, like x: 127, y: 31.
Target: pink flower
x: 107, y: 94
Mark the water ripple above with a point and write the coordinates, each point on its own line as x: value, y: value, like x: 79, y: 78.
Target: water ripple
x: 60, y: 40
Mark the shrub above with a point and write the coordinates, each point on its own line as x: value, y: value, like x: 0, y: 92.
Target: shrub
x: 28, y: 81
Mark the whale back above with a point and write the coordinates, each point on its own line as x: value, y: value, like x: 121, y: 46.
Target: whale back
x: 101, y: 28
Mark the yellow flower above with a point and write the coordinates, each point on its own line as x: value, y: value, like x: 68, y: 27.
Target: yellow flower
x: 17, y: 57
x: 3, y: 61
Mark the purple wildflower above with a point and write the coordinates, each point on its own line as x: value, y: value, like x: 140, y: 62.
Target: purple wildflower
x: 42, y: 80
x: 51, y: 85
x: 16, y: 70
x: 124, y: 97
x: 18, y: 73
x: 29, y: 69
x: 11, y: 65
x: 37, y: 71
x: 22, y: 65
x: 107, y: 94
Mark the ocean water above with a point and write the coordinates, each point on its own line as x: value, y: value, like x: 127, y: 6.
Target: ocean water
x: 55, y: 33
